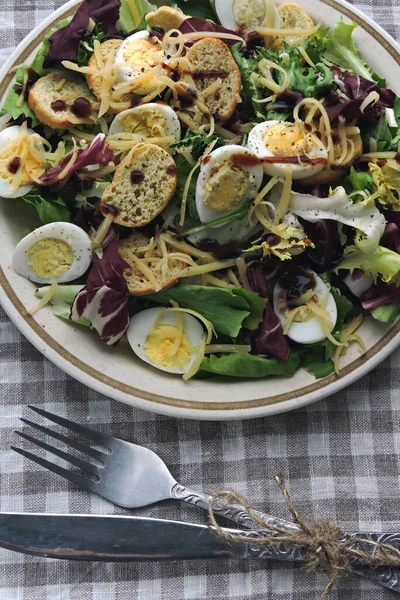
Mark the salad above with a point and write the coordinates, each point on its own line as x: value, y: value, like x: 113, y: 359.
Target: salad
x: 218, y: 182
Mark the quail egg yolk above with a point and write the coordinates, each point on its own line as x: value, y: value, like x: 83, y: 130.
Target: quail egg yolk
x: 50, y: 257
x: 168, y: 347
x: 11, y: 162
x: 226, y: 187
x: 147, y: 122
x: 249, y: 14
x: 142, y: 54
x: 287, y: 140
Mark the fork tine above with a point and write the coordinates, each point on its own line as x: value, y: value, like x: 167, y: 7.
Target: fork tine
x: 97, y: 454
x: 74, y: 477
x: 68, y: 457
x: 96, y: 436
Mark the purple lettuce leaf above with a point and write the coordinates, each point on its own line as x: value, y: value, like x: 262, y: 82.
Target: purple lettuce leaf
x: 195, y: 24
x: 257, y: 281
x: 64, y: 42
x: 95, y: 153
x: 380, y: 295
x: 391, y: 237
x: 269, y: 338
x: 357, y: 89
x: 104, y: 299
x: 327, y: 252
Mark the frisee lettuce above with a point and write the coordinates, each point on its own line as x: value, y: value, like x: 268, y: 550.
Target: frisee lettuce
x: 383, y: 263
x: 341, y: 49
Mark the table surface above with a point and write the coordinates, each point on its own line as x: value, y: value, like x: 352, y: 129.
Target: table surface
x: 340, y: 456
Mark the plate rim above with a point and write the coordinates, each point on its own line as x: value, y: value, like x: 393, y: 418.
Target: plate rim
x: 215, y: 411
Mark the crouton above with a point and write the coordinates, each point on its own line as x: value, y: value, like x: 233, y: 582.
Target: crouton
x: 62, y: 99
x: 143, y: 184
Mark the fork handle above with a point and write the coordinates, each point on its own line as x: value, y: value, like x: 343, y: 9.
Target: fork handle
x: 233, y: 512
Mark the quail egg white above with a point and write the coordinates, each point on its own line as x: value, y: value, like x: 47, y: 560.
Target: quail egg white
x: 149, y: 120
x: 246, y: 15
x: 294, y: 291
x: 54, y: 253
x: 280, y: 144
x: 156, y: 337
x: 136, y: 56
x: 15, y: 177
x: 228, y: 177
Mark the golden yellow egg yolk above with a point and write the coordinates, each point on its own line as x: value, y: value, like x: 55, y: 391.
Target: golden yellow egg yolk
x: 147, y: 122
x: 160, y: 348
x: 50, y: 258
x: 142, y: 55
x: 18, y: 160
x: 226, y: 187
x: 249, y: 14
x: 287, y: 140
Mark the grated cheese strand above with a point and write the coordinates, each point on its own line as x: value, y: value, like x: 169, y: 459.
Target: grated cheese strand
x: 284, y: 201
x: 197, y: 361
x: 45, y: 300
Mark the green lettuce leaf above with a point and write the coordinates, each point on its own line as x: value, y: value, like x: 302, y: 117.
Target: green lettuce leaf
x: 344, y: 306
x: 84, y: 53
x: 10, y: 103
x: 49, y: 211
x: 387, y: 313
x: 227, y: 310
x: 302, y: 78
x: 194, y: 8
x: 128, y: 20
x: 341, y: 50
x: 256, y: 305
x: 64, y: 294
x: 383, y: 263
x: 249, y: 366
x: 314, y: 361
x: 251, y: 91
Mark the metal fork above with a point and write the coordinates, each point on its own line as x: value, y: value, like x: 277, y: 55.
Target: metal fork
x: 133, y: 476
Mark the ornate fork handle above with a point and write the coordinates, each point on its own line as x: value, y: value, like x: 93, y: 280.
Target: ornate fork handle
x: 233, y: 512
x: 388, y: 577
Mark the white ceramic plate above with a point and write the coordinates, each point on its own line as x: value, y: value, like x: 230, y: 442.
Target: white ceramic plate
x: 116, y: 372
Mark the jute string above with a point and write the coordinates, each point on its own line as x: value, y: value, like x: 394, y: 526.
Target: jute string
x: 327, y: 550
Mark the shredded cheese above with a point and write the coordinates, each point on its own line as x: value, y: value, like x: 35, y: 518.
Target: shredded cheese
x: 285, y: 197
x: 306, y: 56
x: 228, y: 349
x: 45, y: 300
x: 209, y: 267
x: 187, y: 249
x: 232, y: 277
x: 372, y: 98
x: 242, y: 269
x: 197, y: 361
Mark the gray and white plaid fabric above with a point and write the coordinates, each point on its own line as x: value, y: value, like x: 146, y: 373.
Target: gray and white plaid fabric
x: 340, y: 456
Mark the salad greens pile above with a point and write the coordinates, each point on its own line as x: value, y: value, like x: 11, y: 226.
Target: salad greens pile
x: 282, y: 275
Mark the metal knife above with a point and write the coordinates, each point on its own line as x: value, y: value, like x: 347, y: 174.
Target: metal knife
x: 125, y: 538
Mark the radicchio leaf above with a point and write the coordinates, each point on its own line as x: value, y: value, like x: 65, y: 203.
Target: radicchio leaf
x: 269, y: 338
x: 64, y: 42
x: 325, y: 237
x: 104, y: 299
x: 357, y: 89
x: 380, y: 295
x: 89, y: 219
x: 391, y: 237
x: 95, y: 153
x: 195, y: 24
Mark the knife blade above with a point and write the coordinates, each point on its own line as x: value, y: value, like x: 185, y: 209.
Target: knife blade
x: 111, y: 538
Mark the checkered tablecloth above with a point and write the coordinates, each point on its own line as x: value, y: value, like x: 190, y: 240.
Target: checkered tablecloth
x: 340, y: 456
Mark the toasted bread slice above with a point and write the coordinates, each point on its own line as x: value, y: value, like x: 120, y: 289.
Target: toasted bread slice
x: 166, y: 17
x: 211, y: 59
x: 53, y: 100
x: 143, y: 184
x: 135, y: 247
x: 329, y: 175
x: 95, y: 82
x: 293, y: 16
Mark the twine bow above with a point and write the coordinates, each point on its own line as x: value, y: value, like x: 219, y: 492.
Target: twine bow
x: 327, y: 549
